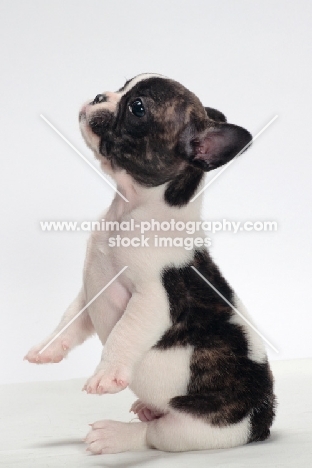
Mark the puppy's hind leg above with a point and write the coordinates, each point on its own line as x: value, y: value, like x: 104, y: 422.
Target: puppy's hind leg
x: 144, y: 412
x: 173, y: 432
x: 63, y: 341
x: 179, y: 432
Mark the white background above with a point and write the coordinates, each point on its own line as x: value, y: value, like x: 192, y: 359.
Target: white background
x: 251, y: 60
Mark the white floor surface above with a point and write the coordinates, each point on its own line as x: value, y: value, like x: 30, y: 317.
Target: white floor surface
x: 43, y: 424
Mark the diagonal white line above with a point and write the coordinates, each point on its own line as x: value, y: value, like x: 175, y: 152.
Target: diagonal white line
x: 234, y: 159
x: 236, y: 310
x: 82, y: 310
x: 82, y: 156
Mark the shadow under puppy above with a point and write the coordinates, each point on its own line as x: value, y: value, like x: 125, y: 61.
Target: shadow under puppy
x: 200, y: 373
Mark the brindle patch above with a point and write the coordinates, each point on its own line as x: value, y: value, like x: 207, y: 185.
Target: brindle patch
x: 225, y: 385
x: 182, y: 187
x: 146, y: 147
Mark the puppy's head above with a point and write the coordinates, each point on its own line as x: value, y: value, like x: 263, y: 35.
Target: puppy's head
x: 155, y: 129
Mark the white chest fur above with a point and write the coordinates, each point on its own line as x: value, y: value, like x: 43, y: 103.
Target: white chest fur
x: 144, y: 263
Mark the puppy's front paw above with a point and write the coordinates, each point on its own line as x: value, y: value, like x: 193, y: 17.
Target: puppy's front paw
x: 107, y: 381
x: 55, y: 352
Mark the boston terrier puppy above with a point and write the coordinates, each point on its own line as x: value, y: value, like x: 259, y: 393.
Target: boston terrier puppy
x: 200, y: 373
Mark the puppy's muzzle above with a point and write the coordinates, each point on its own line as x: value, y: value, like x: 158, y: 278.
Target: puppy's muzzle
x: 101, y: 121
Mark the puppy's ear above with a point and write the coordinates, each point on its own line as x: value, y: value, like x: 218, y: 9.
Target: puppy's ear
x: 217, y: 145
x: 215, y: 115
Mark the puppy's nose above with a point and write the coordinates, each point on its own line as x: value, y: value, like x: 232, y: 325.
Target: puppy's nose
x: 99, y: 98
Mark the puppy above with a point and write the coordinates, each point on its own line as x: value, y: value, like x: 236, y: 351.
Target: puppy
x: 200, y: 373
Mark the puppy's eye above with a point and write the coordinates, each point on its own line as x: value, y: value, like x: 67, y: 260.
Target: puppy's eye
x: 137, y: 108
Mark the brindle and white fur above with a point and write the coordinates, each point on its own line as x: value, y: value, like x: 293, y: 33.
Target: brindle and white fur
x: 200, y: 373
